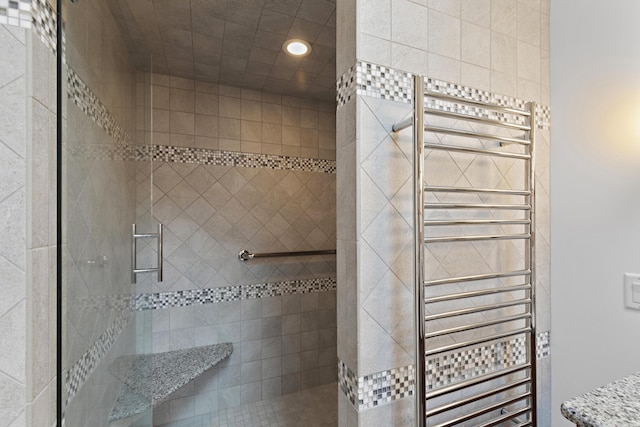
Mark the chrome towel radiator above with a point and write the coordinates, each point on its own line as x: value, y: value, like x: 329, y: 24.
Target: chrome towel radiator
x: 475, y: 330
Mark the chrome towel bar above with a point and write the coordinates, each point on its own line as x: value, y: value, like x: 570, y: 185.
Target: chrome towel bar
x: 245, y: 255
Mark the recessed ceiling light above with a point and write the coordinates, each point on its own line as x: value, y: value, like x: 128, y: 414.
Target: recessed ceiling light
x: 296, y: 47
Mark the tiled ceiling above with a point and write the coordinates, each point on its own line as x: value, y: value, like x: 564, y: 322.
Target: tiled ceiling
x: 235, y: 42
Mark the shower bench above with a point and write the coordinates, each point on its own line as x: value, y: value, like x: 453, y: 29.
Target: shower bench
x: 151, y: 378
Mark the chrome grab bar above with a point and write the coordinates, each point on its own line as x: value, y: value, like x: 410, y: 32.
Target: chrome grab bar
x: 134, y: 237
x: 245, y: 255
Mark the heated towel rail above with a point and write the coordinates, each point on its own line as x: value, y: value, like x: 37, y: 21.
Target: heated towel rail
x: 487, y: 316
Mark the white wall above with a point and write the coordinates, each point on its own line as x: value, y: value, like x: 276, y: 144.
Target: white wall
x: 595, y: 176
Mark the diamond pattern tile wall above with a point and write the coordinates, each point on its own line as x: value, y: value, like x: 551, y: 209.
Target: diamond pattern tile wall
x: 13, y: 247
x: 385, y: 231
x: 213, y: 212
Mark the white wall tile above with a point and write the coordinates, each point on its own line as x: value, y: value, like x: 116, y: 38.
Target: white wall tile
x: 475, y: 44
x: 474, y: 76
x: 13, y: 341
x: 503, y: 53
x: 528, y: 22
x: 444, y: 35
x: 408, y: 23
x: 450, y: 7
x: 477, y: 12
x: 504, y: 17
x: 375, y: 19
x: 374, y: 49
x: 444, y: 68
x: 528, y: 62
x: 408, y: 58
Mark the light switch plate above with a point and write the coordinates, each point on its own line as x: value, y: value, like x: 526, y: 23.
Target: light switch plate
x: 632, y: 291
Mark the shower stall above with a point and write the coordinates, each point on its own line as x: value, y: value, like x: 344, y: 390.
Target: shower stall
x: 189, y: 136
x: 246, y: 238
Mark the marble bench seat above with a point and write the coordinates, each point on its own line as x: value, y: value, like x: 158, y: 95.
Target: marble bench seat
x: 151, y: 378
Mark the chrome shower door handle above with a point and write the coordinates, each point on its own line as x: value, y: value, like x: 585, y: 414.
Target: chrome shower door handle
x: 134, y: 237
x: 133, y: 253
x: 160, y: 240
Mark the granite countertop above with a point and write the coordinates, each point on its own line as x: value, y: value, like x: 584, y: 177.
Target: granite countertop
x: 614, y: 405
x: 151, y: 378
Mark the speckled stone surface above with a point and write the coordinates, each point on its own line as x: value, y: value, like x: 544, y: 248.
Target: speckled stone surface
x: 151, y: 378
x: 614, y: 405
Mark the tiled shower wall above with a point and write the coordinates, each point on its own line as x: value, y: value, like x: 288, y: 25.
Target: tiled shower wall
x: 283, y: 341
x: 496, y: 47
x: 212, y: 212
x: 12, y: 204
x: 281, y: 345
x: 27, y: 209
x: 189, y: 113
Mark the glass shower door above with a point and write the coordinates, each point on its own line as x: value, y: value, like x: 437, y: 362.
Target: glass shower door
x: 106, y: 188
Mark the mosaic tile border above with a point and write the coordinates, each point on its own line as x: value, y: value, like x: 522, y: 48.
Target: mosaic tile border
x: 77, y: 375
x: 87, y: 101
x: 381, y: 82
x: 37, y: 14
x: 543, y: 344
x: 376, y: 389
x: 232, y: 293
x: 17, y: 13
x: 232, y: 158
x: 201, y: 156
x: 454, y: 367
x: 384, y: 387
x: 101, y: 151
x: 543, y: 113
x: 45, y: 21
x: 473, y: 111
x: 543, y: 116
x: 346, y: 87
x: 376, y: 81
x: 104, y: 303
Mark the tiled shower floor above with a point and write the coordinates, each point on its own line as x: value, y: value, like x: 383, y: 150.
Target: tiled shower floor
x: 314, y: 407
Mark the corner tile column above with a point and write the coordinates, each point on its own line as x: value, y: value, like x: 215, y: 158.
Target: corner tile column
x: 375, y: 248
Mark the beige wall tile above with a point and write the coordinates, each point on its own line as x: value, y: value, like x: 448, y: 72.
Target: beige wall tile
x: 407, y: 26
